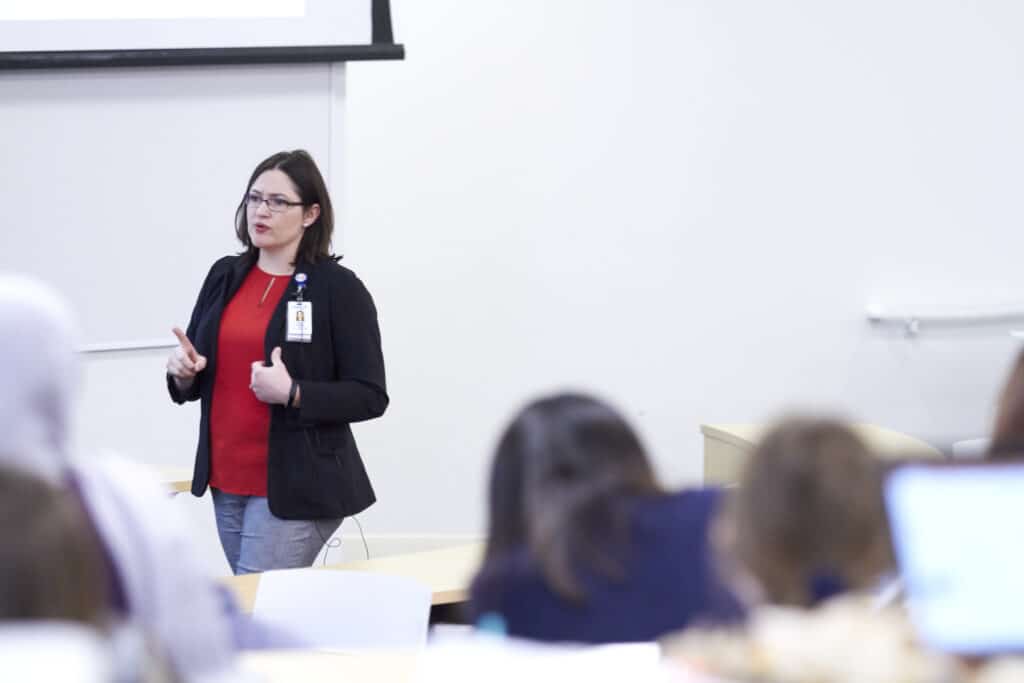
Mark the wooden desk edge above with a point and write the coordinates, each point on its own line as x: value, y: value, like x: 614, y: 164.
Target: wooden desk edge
x: 728, y: 432
x: 180, y: 486
x: 449, y: 597
x: 245, y: 587
x: 883, y: 441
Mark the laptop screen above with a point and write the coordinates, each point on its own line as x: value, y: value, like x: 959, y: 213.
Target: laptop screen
x: 958, y: 534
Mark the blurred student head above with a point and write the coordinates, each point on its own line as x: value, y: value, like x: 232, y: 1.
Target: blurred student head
x: 808, y: 520
x: 39, y: 375
x: 561, y: 469
x: 1007, y: 442
x: 145, y: 555
x: 51, y: 565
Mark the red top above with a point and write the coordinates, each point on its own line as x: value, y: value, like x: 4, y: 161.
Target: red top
x: 239, y: 422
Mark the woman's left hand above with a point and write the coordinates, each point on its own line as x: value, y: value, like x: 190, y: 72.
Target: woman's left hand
x: 271, y: 384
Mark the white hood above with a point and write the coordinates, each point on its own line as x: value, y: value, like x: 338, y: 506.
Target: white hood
x: 39, y: 375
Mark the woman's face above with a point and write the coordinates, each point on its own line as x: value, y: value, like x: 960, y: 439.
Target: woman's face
x: 281, y: 226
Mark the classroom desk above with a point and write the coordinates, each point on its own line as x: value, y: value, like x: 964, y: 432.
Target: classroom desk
x: 447, y: 572
x: 287, y: 666
x: 727, y: 447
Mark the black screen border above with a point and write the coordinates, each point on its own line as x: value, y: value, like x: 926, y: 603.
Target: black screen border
x: 383, y: 47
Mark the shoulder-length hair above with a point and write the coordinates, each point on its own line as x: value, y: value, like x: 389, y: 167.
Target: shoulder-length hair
x: 810, y: 506
x: 298, y: 165
x: 1008, y: 432
x: 560, y: 476
x: 51, y: 561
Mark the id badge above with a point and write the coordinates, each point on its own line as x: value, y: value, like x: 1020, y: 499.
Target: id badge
x: 300, y: 322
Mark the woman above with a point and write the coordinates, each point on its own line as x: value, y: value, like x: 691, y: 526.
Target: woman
x: 51, y: 565
x: 808, y: 521
x: 809, y: 534
x: 156, y: 583
x: 583, y: 544
x: 1007, y: 442
x: 53, y: 588
x: 283, y: 351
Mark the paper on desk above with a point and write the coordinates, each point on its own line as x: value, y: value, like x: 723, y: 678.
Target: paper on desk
x: 497, y: 660
x: 345, y: 610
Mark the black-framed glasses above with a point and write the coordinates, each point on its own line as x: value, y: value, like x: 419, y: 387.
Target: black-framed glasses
x: 275, y: 203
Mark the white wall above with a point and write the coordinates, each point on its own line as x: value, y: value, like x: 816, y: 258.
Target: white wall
x: 683, y: 206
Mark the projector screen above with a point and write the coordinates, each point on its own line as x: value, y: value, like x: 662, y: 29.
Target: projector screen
x: 72, y: 25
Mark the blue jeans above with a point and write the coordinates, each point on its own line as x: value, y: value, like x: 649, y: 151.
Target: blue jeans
x: 254, y: 540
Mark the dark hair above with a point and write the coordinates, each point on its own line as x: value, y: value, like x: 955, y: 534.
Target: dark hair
x: 298, y: 165
x: 51, y: 565
x: 1008, y: 432
x: 810, y: 508
x: 559, y: 477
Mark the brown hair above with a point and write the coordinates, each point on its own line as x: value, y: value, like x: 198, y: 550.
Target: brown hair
x: 298, y: 165
x: 810, y: 505
x: 560, y: 475
x: 51, y: 566
x: 1008, y: 432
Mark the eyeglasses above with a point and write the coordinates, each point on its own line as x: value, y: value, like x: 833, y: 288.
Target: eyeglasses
x: 275, y: 203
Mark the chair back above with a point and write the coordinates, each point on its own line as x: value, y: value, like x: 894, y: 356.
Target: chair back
x: 345, y: 610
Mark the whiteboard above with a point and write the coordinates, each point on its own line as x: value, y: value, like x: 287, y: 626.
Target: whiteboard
x: 120, y: 185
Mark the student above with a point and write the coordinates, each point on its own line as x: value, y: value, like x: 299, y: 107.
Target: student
x: 51, y: 566
x: 1007, y: 442
x: 808, y: 521
x: 583, y: 544
x: 156, y: 584
x: 807, y: 530
x: 283, y: 353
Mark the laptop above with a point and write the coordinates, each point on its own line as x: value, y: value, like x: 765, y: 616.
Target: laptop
x: 958, y: 534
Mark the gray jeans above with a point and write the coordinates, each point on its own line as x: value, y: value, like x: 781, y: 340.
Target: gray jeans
x: 254, y: 540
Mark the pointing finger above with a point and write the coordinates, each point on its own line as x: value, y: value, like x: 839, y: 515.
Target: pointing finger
x: 185, y: 344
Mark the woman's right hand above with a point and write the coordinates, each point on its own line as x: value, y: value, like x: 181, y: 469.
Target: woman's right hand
x: 185, y: 362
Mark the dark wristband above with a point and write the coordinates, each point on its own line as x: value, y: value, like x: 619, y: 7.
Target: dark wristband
x: 291, y: 394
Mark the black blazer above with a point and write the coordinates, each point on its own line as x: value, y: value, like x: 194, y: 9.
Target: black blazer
x: 314, y: 470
